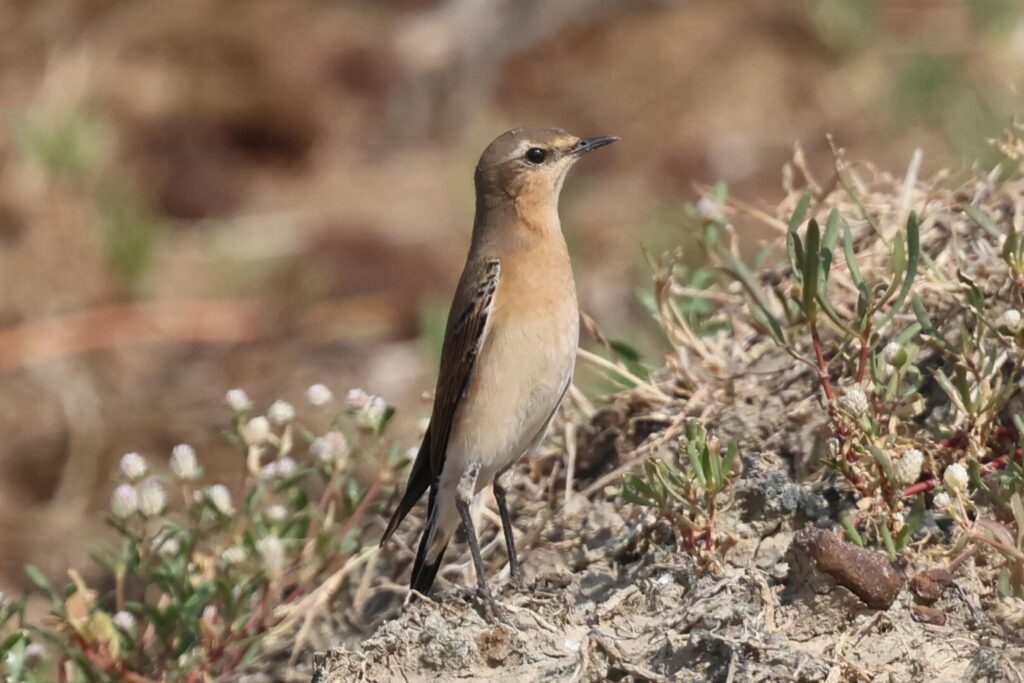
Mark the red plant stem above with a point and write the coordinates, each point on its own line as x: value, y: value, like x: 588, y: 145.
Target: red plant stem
x: 865, y: 345
x: 364, y: 505
x: 111, y: 667
x: 325, y: 500
x: 989, y: 467
x: 819, y: 354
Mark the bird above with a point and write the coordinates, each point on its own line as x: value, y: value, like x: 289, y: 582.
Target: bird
x: 509, y: 348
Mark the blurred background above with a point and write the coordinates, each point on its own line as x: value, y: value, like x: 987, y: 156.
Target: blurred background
x: 198, y: 195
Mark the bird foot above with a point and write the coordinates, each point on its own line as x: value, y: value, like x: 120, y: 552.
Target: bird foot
x: 493, y: 612
x: 517, y: 580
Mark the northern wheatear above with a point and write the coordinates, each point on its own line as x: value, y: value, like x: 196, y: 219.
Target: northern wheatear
x: 509, y: 347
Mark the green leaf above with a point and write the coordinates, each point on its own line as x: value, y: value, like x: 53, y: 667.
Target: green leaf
x: 983, y: 220
x: 40, y: 582
x: 852, y: 535
x: 825, y: 266
x: 698, y: 466
x: 913, y: 257
x: 882, y: 458
x: 625, y: 351
x: 811, y: 266
x: 714, y: 468
x: 832, y: 230
x: 951, y: 391
x: 800, y: 211
x: 742, y: 273
x: 730, y: 457
x: 912, y: 523
x: 635, y: 490
x: 890, y: 547
x: 851, y: 258
x: 795, y: 251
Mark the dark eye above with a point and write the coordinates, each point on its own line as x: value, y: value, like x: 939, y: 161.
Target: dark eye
x: 536, y: 155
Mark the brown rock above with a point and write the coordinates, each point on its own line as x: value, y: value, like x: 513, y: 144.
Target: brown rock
x: 869, y: 575
x: 930, y: 584
x: 929, y: 615
x: 496, y: 644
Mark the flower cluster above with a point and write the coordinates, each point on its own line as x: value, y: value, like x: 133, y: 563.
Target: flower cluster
x: 202, y: 552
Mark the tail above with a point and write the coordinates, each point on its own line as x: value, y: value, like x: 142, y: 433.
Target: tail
x: 424, y: 570
x: 419, y: 482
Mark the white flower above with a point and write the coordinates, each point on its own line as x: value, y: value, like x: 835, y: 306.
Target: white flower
x: 375, y: 410
x: 355, y: 400
x: 956, y: 478
x: 893, y: 354
x: 234, y: 555
x: 271, y: 551
x: 1011, y: 318
x: 277, y: 513
x: 133, y: 466
x: 170, y: 547
x: 237, y: 400
x: 125, y: 621
x: 256, y: 431
x: 907, y: 468
x: 942, y: 502
x: 184, y: 463
x: 220, y: 498
x: 709, y: 209
x: 319, y: 395
x: 125, y: 501
x: 281, y: 413
x: 854, y: 402
x: 833, y: 446
x: 34, y: 655
x: 152, y: 498
x: 329, y: 448
x: 285, y: 467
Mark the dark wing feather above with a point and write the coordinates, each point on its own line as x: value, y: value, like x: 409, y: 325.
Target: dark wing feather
x: 463, y: 338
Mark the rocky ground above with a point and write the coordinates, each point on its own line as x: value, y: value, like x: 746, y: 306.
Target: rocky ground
x: 609, y: 595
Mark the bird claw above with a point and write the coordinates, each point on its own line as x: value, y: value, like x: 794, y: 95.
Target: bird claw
x: 517, y: 580
x: 493, y: 612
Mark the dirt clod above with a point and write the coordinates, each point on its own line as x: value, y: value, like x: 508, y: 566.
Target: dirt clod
x: 929, y: 585
x: 869, y: 575
x: 929, y: 615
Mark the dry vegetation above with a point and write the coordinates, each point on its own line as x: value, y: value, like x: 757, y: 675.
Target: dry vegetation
x: 823, y: 482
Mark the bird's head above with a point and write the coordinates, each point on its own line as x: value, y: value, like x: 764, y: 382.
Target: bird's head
x: 527, y: 166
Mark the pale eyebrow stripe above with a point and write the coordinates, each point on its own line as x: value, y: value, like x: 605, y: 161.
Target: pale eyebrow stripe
x: 520, y: 149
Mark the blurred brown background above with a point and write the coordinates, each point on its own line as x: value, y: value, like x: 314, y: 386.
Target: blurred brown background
x: 197, y: 195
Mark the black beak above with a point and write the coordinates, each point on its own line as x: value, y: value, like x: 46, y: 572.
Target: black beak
x: 590, y: 144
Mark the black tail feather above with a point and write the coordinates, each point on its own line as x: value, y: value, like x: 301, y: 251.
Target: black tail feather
x: 423, y: 573
x: 419, y: 482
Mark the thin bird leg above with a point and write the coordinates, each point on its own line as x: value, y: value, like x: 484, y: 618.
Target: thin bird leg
x: 478, y: 562
x: 501, y: 483
x: 463, y: 495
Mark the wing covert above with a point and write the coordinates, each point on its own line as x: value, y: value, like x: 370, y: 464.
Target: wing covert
x: 464, y: 338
